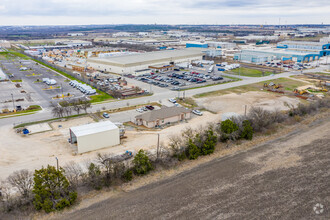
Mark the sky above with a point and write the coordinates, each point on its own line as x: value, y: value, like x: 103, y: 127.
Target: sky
x: 84, y: 12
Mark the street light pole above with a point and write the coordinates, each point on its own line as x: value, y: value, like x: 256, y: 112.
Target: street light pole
x: 12, y: 97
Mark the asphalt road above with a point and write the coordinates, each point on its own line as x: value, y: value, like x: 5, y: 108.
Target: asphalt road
x: 282, y: 179
x: 160, y: 94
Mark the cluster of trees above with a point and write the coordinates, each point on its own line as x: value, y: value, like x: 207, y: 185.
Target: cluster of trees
x: 46, y: 189
x: 202, y: 141
x: 66, y: 108
x: 52, y: 189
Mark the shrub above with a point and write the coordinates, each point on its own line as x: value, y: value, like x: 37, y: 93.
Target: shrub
x: 142, y: 164
x: 210, y: 142
x: 247, y: 132
x: 128, y: 175
x: 95, y: 176
x: 51, y: 190
x: 260, y: 118
x: 193, y: 150
x: 228, y: 126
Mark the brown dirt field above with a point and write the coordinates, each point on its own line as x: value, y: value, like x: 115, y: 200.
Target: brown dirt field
x: 280, y: 179
x: 234, y: 102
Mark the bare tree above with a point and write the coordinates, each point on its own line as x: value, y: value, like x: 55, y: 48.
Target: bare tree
x: 73, y: 172
x: 85, y: 104
x: 22, y: 180
x: 76, y: 106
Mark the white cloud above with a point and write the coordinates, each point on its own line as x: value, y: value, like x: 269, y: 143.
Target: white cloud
x: 162, y: 11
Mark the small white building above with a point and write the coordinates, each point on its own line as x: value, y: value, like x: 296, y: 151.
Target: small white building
x: 95, y: 136
x: 4, y: 44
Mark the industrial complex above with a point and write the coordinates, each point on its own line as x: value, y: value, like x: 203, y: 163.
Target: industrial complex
x: 135, y: 62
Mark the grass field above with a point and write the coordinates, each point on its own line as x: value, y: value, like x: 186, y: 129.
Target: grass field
x: 16, y: 80
x: 288, y: 85
x: 243, y: 71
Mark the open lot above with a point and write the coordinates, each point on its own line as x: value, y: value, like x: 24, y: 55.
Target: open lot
x: 244, y: 71
x: 280, y: 179
x: 18, y: 151
x: 288, y: 85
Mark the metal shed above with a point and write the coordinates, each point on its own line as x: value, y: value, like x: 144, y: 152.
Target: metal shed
x: 95, y: 136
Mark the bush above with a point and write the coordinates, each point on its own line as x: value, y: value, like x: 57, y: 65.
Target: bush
x: 51, y: 190
x: 95, y: 176
x: 247, y: 132
x: 228, y: 126
x: 193, y: 150
x: 210, y: 142
x: 260, y: 118
x: 128, y: 175
x: 142, y: 164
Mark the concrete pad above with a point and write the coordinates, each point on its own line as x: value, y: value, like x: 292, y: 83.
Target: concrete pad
x: 39, y: 128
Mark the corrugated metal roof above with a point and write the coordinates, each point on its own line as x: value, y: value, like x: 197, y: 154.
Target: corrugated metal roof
x: 149, y: 56
x: 93, y: 128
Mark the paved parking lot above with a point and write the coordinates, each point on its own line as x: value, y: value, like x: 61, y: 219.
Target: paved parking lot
x: 184, y: 79
x: 32, y: 89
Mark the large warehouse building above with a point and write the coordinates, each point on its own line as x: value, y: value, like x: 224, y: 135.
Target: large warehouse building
x: 264, y: 55
x: 134, y: 62
x: 95, y: 136
x: 305, y: 46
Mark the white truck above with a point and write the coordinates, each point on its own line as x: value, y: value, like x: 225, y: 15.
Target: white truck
x: 211, y: 69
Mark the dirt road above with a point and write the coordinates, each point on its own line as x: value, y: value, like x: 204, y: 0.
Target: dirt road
x: 282, y: 179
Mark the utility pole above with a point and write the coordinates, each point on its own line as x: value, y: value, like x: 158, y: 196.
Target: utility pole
x: 245, y: 111
x: 12, y: 97
x: 56, y: 163
x: 158, y: 147
x: 62, y: 90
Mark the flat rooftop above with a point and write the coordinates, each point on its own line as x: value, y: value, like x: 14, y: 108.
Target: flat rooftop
x: 291, y: 52
x: 302, y: 43
x: 93, y: 128
x: 148, y: 57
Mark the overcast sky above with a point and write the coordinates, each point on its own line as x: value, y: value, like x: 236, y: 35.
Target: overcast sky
x: 67, y: 12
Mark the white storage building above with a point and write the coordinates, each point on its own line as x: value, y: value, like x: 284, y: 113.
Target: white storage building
x: 95, y: 136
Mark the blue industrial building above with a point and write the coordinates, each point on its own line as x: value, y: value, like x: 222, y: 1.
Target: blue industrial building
x: 323, y: 49
x: 196, y: 45
x: 266, y: 55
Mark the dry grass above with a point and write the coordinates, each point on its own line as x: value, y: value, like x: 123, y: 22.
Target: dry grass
x: 288, y: 84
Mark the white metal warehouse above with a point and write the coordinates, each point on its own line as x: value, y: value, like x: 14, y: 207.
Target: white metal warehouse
x: 95, y: 136
x: 133, y: 62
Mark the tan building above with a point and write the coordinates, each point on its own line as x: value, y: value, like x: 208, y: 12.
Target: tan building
x: 94, y: 136
x: 163, y: 116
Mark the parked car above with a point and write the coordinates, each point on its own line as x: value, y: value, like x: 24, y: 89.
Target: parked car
x: 139, y: 110
x: 197, y: 112
x: 105, y: 115
x: 172, y: 100
x: 150, y: 107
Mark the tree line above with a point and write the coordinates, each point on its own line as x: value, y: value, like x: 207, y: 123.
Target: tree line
x: 66, y: 108
x: 52, y: 189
